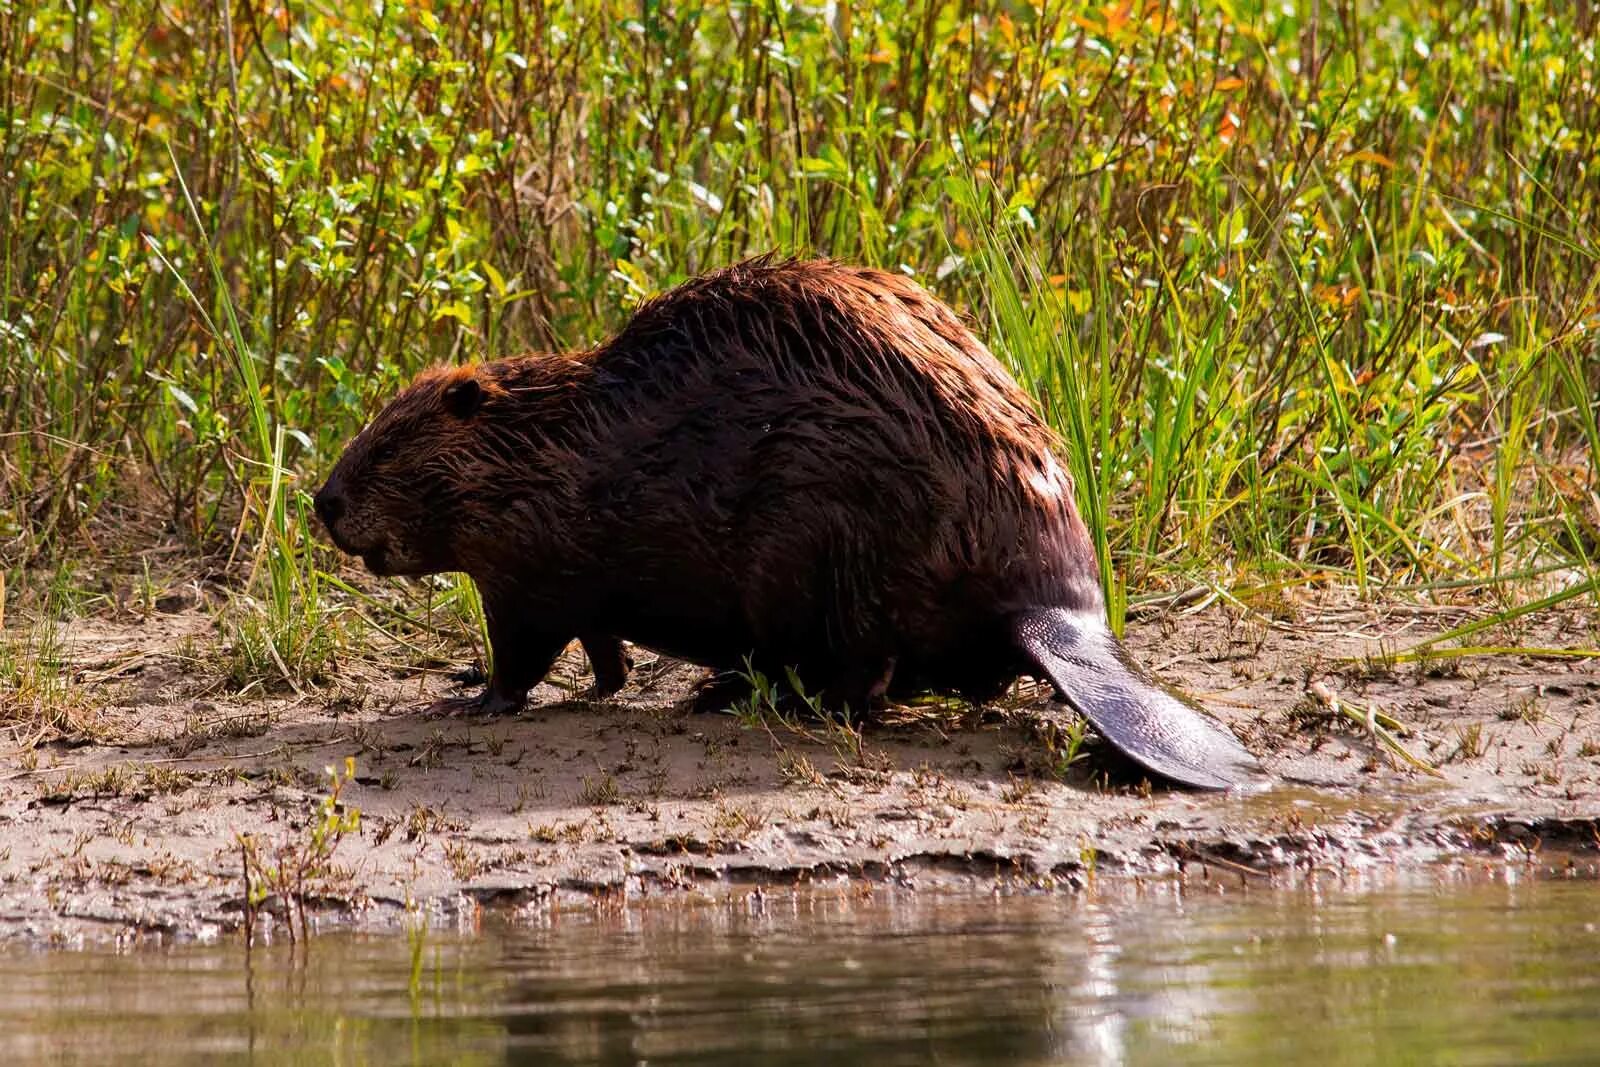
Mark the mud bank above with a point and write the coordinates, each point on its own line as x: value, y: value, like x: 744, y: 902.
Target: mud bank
x: 131, y: 829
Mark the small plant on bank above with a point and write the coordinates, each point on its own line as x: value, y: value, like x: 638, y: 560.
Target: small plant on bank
x: 38, y: 698
x: 1063, y: 745
x: 768, y: 703
x: 296, y: 871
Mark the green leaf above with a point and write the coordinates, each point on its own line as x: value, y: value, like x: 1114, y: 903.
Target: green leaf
x: 184, y: 399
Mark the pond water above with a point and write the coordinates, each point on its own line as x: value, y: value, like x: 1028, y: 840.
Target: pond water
x: 1440, y: 970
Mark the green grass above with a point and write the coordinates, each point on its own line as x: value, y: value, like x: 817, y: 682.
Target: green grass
x: 1312, y: 305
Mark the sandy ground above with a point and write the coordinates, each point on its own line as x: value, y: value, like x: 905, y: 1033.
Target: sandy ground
x: 131, y: 830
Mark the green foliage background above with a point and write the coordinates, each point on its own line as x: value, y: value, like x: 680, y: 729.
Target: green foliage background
x: 1312, y: 297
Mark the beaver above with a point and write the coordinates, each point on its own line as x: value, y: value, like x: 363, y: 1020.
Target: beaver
x: 782, y: 465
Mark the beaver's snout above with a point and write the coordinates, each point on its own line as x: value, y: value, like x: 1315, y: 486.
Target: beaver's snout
x: 329, y: 504
x: 332, y: 506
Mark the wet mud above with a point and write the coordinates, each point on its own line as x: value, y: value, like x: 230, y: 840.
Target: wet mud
x: 136, y: 826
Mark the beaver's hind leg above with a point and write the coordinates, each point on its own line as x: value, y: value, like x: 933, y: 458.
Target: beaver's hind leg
x: 609, y: 662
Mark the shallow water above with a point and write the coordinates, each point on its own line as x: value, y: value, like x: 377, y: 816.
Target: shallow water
x: 1441, y: 970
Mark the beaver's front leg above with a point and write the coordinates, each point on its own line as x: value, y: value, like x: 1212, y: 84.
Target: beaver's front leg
x: 523, y: 654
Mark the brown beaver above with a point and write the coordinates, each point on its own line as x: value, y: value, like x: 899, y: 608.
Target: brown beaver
x: 811, y: 465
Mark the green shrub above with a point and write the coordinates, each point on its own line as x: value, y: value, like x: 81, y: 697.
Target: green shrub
x: 1311, y: 300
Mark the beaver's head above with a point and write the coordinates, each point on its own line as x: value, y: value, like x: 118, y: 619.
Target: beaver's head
x: 394, y: 497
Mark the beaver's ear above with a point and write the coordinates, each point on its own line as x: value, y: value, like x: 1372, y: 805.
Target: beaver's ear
x: 464, y: 397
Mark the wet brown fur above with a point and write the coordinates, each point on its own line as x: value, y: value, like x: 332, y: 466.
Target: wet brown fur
x: 814, y: 465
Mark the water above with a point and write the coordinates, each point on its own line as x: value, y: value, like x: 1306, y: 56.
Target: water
x: 1437, y: 971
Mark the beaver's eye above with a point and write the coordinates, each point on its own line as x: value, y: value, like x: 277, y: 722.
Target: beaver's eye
x: 384, y: 452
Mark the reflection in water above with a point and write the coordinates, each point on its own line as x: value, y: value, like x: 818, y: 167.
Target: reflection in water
x: 1486, y: 972
x: 895, y: 985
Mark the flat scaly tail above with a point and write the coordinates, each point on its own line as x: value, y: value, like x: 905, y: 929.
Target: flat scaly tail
x: 1160, y: 730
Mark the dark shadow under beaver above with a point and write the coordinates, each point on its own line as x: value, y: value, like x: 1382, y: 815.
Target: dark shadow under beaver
x: 792, y: 464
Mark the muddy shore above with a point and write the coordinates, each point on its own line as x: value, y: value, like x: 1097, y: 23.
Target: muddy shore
x: 131, y: 829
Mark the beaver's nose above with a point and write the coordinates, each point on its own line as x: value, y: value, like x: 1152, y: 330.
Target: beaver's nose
x: 329, y: 504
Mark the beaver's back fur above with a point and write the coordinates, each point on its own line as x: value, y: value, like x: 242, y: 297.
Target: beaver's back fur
x: 815, y: 466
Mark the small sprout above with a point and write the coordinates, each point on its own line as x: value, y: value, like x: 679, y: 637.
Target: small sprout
x: 465, y: 861
x: 600, y: 791
x: 1017, y: 790
x: 1529, y: 710
x: 797, y: 769
x: 1470, y: 742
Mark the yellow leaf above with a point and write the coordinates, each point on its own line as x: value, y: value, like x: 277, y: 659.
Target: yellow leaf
x: 1365, y: 156
x: 496, y: 282
x: 454, y: 310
